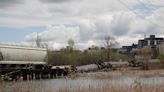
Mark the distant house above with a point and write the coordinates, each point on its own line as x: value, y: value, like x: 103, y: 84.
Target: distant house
x: 128, y: 49
x: 93, y: 48
x: 99, y: 49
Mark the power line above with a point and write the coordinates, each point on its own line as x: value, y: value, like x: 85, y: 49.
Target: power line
x: 127, y: 7
x: 150, y: 2
x: 136, y: 13
x: 153, y: 6
x: 148, y: 7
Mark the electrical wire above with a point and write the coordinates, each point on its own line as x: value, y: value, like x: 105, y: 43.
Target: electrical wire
x: 150, y: 2
x: 146, y: 6
x: 127, y: 7
x: 149, y: 9
x: 136, y: 13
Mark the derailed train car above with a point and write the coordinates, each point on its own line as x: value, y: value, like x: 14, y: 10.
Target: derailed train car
x: 104, y: 66
x: 19, y: 60
x: 27, y: 62
x: 12, y: 56
x: 87, y: 68
x: 22, y: 53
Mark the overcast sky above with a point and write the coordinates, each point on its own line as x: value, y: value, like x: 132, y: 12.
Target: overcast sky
x: 87, y: 22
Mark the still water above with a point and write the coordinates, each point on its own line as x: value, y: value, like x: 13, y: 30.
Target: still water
x: 53, y: 85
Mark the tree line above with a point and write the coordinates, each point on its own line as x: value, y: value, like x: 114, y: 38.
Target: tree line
x: 70, y: 56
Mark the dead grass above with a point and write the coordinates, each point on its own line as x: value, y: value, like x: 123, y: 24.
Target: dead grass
x: 32, y: 86
x: 118, y: 88
x: 135, y: 87
x: 121, y: 73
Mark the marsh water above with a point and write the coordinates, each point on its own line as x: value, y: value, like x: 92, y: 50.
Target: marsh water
x: 53, y: 85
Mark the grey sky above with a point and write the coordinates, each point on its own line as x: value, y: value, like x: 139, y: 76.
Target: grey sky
x: 85, y: 21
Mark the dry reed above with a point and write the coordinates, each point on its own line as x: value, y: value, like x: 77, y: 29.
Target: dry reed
x: 40, y: 86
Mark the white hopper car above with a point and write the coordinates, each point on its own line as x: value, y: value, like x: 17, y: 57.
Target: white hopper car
x: 10, y: 54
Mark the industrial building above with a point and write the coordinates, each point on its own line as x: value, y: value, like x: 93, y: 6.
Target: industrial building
x: 150, y: 41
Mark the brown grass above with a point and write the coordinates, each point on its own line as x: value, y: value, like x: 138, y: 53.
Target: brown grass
x: 122, y: 72
x: 117, y: 88
x: 32, y: 86
x: 135, y: 87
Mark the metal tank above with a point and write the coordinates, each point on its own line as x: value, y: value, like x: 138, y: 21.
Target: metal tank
x: 87, y: 68
x: 22, y: 54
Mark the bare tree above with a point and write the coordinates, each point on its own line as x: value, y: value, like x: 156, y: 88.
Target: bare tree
x: 45, y: 45
x: 146, y: 54
x: 71, y: 44
x: 1, y: 56
x: 38, y: 40
x: 109, y: 43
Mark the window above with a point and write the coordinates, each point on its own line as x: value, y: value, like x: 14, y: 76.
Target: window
x: 152, y: 42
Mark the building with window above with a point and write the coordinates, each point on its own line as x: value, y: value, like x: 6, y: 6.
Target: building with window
x: 150, y: 41
x: 128, y: 49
